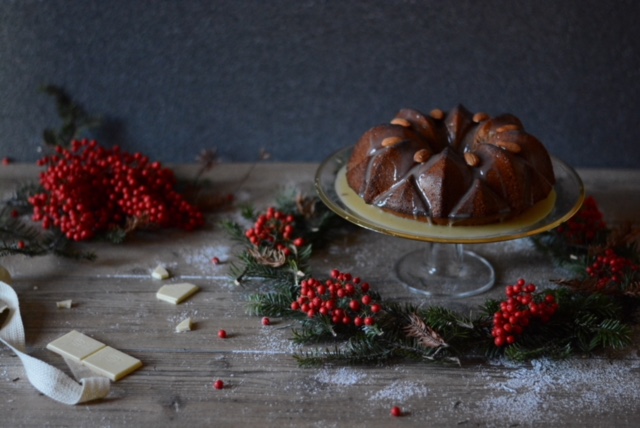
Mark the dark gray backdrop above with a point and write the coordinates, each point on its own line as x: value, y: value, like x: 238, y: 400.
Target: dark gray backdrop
x: 304, y: 78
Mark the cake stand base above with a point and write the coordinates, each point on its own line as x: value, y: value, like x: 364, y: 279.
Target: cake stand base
x: 445, y: 270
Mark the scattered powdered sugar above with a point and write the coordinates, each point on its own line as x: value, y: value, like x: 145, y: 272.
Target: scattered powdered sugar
x: 177, y: 318
x: 549, y: 389
x: 521, y: 244
x: 343, y: 376
x: 276, y: 340
x: 202, y: 257
x: 400, y: 391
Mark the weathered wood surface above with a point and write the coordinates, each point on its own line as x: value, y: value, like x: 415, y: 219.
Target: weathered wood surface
x: 114, y: 302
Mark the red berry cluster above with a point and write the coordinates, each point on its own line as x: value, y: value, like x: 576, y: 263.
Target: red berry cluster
x: 90, y: 189
x: 275, y: 229
x: 585, y: 225
x: 517, y: 312
x: 343, y: 299
x: 611, y: 269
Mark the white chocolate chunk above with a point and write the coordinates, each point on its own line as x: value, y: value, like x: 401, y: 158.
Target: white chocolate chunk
x: 160, y: 272
x: 112, y: 363
x: 185, y: 325
x: 75, y: 346
x: 64, y: 304
x: 176, y: 293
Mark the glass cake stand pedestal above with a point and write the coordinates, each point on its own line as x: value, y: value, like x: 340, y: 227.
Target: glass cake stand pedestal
x: 444, y: 268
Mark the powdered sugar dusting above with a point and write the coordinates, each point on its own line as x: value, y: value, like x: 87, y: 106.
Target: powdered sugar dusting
x: 202, y: 257
x: 276, y: 340
x: 177, y: 318
x: 612, y: 386
x: 344, y: 376
x: 400, y: 391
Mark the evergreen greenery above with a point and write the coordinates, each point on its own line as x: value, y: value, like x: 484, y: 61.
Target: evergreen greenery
x: 585, y: 322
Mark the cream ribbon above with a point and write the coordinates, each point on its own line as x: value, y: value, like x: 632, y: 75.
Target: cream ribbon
x: 45, y: 378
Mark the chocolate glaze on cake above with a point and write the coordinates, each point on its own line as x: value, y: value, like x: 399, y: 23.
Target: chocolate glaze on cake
x: 453, y: 168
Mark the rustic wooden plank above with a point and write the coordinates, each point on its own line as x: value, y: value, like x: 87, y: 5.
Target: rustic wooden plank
x: 114, y: 301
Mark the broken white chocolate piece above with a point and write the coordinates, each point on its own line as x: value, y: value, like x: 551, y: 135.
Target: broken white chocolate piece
x: 75, y: 346
x: 160, y: 272
x: 112, y: 363
x: 185, y: 325
x: 176, y: 293
x: 64, y: 304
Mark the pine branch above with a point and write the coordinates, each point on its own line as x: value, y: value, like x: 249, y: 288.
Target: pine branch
x: 583, y: 321
x: 275, y: 304
x: 74, y: 118
x: 611, y: 333
x: 234, y: 230
x: 359, y: 349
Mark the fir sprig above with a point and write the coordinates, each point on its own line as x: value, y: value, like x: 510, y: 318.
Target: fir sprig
x: 20, y: 237
x: 585, y: 321
x: 74, y: 118
x: 268, y: 259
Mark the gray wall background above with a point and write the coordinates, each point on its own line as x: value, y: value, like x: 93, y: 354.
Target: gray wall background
x: 302, y: 79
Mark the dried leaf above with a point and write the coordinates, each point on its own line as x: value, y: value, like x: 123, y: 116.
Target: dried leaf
x: 134, y: 223
x: 207, y: 159
x: 625, y: 235
x: 426, y: 336
x: 268, y: 256
x: 306, y: 206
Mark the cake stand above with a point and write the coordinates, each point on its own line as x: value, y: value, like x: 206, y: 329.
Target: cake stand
x: 444, y: 268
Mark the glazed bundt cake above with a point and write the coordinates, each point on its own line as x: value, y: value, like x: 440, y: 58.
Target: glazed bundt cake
x: 454, y: 168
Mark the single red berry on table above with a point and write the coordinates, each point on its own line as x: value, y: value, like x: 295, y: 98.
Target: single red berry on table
x: 396, y: 411
x: 222, y: 334
x: 218, y: 384
x: 266, y: 321
x: 215, y: 261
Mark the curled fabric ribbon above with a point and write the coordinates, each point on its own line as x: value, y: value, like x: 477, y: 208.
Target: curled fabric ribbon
x: 45, y: 378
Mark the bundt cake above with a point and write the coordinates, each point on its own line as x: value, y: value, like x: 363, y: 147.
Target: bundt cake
x: 454, y: 168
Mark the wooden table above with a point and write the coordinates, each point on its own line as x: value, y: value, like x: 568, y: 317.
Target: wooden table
x: 114, y: 302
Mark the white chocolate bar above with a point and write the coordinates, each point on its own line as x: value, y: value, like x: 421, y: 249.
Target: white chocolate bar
x: 95, y: 355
